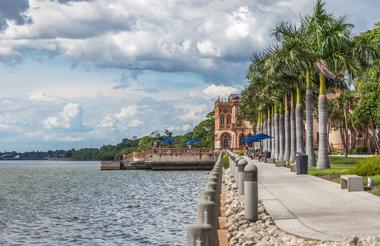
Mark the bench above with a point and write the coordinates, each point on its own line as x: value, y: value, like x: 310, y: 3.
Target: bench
x: 352, y: 182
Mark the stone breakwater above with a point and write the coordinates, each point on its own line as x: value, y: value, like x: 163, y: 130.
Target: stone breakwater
x: 264, y: 232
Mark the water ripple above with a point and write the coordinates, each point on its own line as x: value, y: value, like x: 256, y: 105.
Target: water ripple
x: 73, y: 203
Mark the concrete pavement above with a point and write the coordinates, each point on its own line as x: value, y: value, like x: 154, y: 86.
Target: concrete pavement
x: 314, y: 208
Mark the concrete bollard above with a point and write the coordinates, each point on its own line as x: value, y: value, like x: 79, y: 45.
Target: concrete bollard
x: 209, y: 194
x: 213, y: 186
x: 231, y: 163
x: 236, y: 170
x: 207, y: 214
x: 241, y: 164
x: 251, y: 199
x: 199, y: 234
x: 219, y: 174
x: 217, y: 188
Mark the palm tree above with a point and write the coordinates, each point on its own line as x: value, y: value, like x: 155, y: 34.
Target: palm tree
x: 293, y: 149
x: 269, y: 123
x: 336, y: 55
x: 281, y: 132
x: 299, y: 123
x: 287, y: 130
x: 275, y: 127
x: 309, y: 120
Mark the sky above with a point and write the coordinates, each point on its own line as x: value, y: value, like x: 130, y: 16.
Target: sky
x: 83, y: 73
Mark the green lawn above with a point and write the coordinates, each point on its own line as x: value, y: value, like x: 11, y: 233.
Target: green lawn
x: 342, y: 165
x: 339, y: 165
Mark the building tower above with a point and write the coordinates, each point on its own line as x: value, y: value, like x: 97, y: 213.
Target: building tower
x: 229, y: 131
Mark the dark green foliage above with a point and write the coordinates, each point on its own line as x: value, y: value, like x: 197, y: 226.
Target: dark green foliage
x: 107, y: 152
x: 205, y: 131
x: 225, y: 160
x: 359, y: 150
x: 367, y: 167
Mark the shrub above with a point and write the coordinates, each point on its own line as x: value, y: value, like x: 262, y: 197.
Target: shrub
x: 359, y: 150
x: 225, y: 160
x: 367, y: 167
x: 335, y: 151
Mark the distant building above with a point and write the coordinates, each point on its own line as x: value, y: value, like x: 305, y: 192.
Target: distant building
x: 229, y: 131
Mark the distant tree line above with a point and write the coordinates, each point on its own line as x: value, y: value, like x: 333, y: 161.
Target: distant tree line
x: 37, y: 155
x: 203, y: 131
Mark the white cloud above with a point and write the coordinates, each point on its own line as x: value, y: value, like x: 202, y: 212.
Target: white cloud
x: 69, y: 119
x: 135, y: 123
x: 42, y: 97
x: 192, y: 112
x: 122, y: 120
x: 183, y: 128
x: 214, y: 91
x: 211, y: 38
x: 72, y: 139
x: 127, y: 112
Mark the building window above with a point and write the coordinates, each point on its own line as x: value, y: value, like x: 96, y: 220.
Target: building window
x: 222, y: 119
x: 225, y: 140
x: 228, y: 119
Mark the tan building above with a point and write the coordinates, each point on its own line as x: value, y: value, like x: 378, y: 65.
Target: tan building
x: 228, y: 130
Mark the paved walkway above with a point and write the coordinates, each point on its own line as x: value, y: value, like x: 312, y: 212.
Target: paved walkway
x: 314, y: 208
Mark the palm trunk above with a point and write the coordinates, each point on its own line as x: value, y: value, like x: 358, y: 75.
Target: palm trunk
x: 277, y: 135
x: 345, y: 131
x: 292, y: 156
x: 309, y: 122
x: 267, y: 132
x: 287, y: 131
x: 281, y: 133
x: 299, y: 123
x: 257, y: 129
x: 274, y: 134
x: 323, y: 153
x: 270, y: 132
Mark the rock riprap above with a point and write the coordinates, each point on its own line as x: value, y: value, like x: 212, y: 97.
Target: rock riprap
x: 264, y: 231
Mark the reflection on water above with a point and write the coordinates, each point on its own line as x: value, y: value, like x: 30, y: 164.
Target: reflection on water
x: 73, y: 203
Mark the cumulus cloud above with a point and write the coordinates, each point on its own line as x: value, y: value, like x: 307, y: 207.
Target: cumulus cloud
x: 192, y: 112
x: 183, y: 128
x: 69, y: 119
x: 209, y: 38
x: 13, y: 11
x: 214, y: 91
x: 42, y: 97
x: 122, y: 120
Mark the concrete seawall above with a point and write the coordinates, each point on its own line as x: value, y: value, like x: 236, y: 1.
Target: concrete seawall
x: 156, y: 165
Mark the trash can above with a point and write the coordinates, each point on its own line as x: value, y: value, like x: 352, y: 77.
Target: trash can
x: 301, y: 163
x: 266, y: 156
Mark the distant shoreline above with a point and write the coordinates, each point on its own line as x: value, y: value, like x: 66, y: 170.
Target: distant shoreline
x: 50, y: 159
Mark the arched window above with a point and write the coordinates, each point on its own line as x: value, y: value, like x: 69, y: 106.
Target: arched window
x: 222, y: 119
x: 225, y: 140
x: 228, y: 119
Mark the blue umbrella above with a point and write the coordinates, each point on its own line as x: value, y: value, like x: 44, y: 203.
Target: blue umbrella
x: 250, y: 140
x: 168, y: 141
x: 256, y: 138
x: 261, y: 136
x: 192, y: 141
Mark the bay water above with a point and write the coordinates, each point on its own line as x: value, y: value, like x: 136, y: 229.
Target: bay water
x: 74, y: 203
